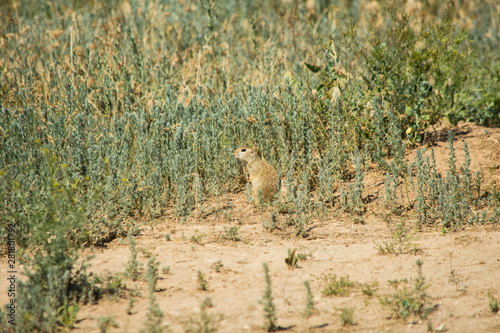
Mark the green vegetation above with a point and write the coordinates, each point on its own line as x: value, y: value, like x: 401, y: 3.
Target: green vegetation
x: 114, y: 112
x: 291, y: 260
x: 369, y: 289
x: 347, y: 316
x: 268, y: 304
x: 340, y: 287
x: 402, y: 241
x: 202, y: 282
x: 58, y: 277
x: 217, y: 266
x: 310, y: 304
x: 205, y: 322
x: 154, y: 321
x: 231, y: 234
x: 109, y: 114
x: 132, y: 270
x: 105, y: 324
x: 406, y: 302
x: 493, y: 304
x: 198, y: 238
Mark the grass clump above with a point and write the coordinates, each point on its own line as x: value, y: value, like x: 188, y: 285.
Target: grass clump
x: 406, y: 302
x: 337, y: 287
x: 493, y: 303
x: 347, y: 316
x: 231, y: 234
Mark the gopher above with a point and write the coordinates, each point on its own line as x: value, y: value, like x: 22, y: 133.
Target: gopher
x: 263, y: 177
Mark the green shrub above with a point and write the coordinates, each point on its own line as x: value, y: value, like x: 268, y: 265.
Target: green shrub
x: 340, y: 287
x: 54, y: 287
x: 406, y: 302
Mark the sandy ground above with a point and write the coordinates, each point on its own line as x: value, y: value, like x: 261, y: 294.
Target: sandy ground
x: 335, y: 246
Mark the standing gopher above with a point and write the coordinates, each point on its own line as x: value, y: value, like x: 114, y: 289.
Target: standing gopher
x: 262, y: 176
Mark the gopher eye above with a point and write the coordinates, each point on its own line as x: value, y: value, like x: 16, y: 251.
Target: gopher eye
x: 243, y: 150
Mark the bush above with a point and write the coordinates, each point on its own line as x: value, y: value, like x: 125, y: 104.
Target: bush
x: 54, y: 288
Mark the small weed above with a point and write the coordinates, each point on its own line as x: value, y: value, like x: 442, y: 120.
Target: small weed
x: 231, y: 234
x: 304, y: 256
x: 167, y: 237
x: 405, y: 302
x: 67, y: 313
x: 310, y: 304
x: 197, y: 238
x: 369, y: 289
x: 114, y: 286
x: 146, y: 253
x: 217, y: 266
x: 272, y: 223
x: 165, y: 270
x: 395, y: 283
x: 453, y: 277
x: 152, y: 273
x: 105, y: 323
x: 347, y: 316
x: 154, y: 315
x: 268, y: 304
x: 340, y: 287
x: 134, y: 292
x: 131, y: 303
x: 385, y: 247
x: 291, y: 260
x: 132, y: 270
x: 202, y: 283
x: 403, y: 238
x: 204, y: 322
x: 493, y: 304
